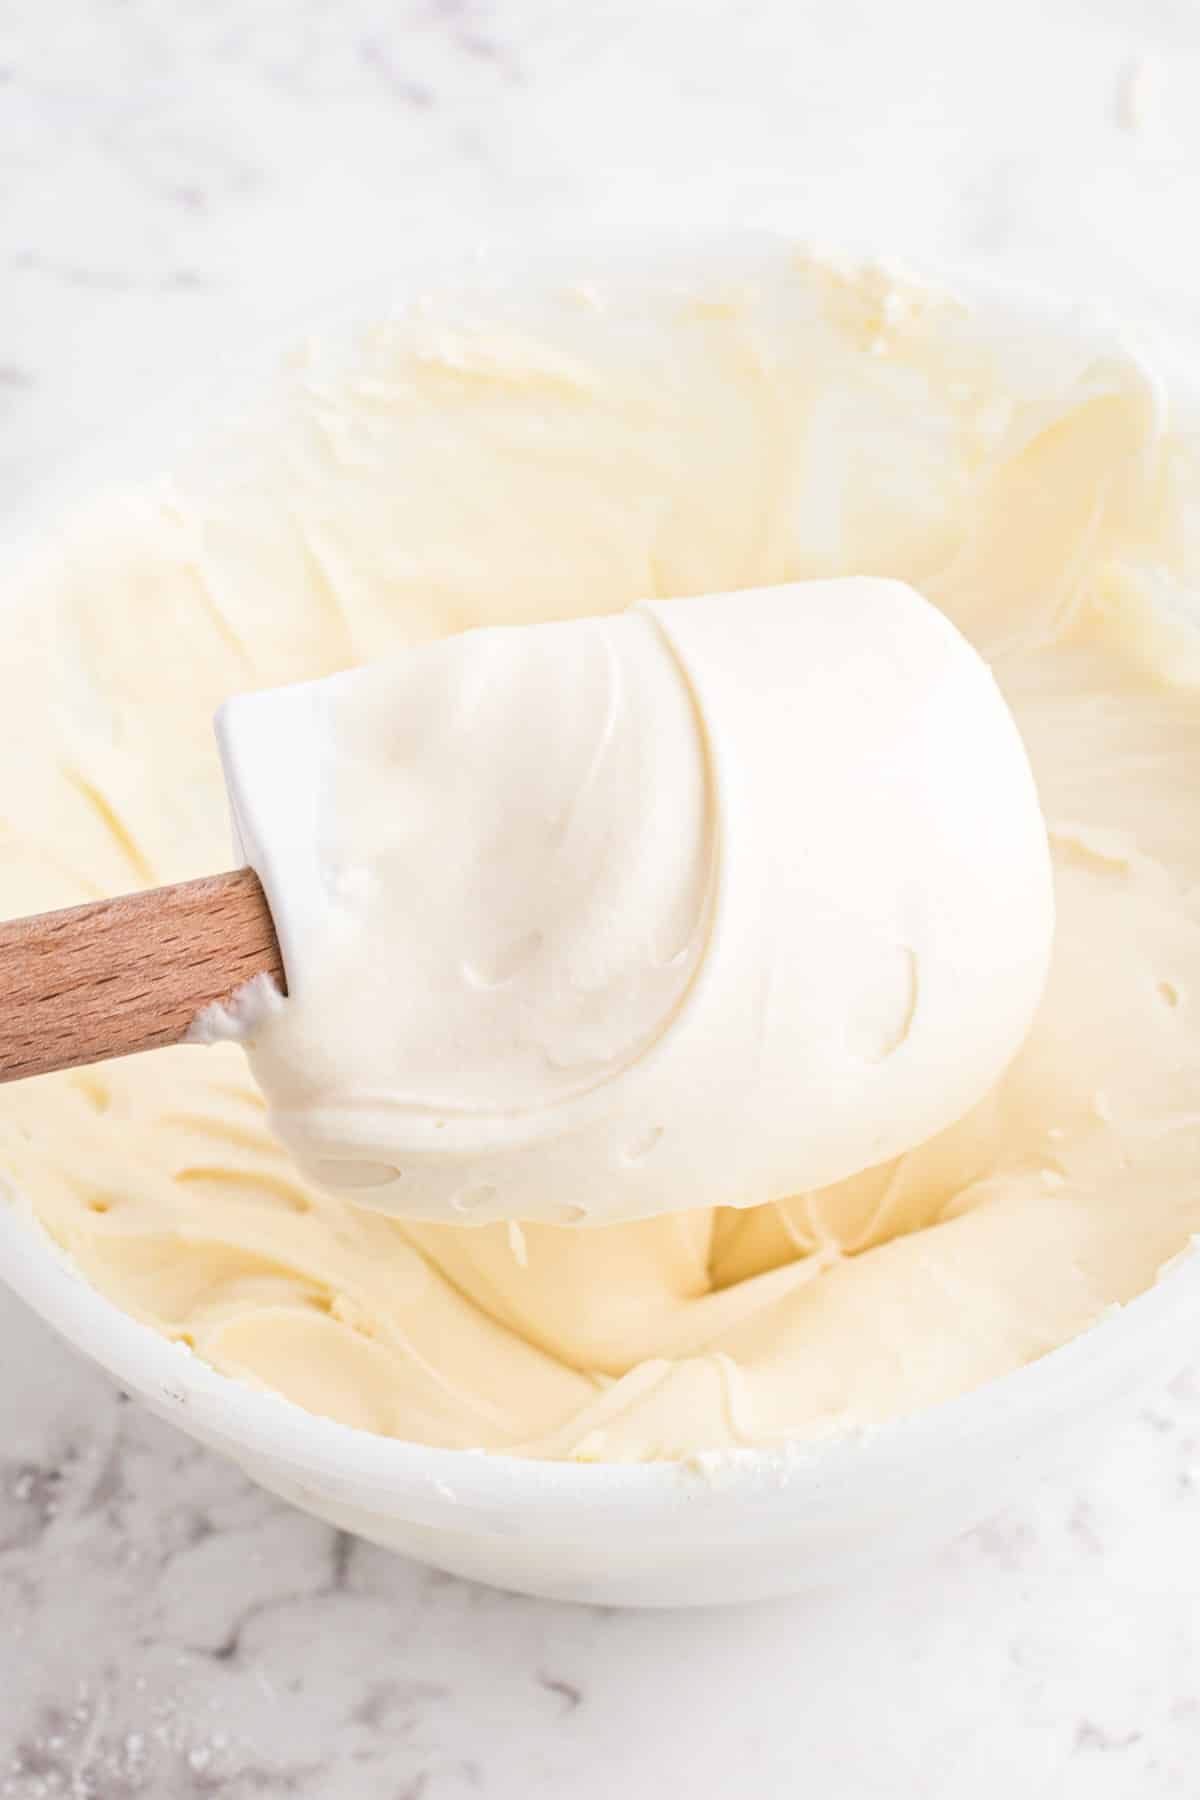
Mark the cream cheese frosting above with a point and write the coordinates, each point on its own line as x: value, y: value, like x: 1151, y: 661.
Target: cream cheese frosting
x: 709, y: 903
x: 499, y: 460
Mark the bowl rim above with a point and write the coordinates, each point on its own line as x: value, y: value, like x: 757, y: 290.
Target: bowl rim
x: 714, y: 1488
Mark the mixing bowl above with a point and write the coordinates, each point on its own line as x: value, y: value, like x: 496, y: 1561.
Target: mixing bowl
x: 720, y: 1527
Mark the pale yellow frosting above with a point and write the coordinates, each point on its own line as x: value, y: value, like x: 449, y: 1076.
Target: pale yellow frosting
x: 487, y: 462
x: 709, y: 903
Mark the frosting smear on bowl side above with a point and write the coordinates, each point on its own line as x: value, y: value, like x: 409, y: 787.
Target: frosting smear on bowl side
x: 496, y: 461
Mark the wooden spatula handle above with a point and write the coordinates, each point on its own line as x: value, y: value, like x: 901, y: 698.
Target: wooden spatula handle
x: 130, y: 974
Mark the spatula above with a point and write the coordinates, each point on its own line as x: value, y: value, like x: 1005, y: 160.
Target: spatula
x: 123, y: 975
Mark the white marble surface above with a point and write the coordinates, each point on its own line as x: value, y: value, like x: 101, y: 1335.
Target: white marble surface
x: 173, y: 175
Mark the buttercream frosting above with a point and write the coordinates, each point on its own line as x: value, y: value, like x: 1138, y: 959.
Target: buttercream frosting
x: 707, y: 903
x: 502, y: 460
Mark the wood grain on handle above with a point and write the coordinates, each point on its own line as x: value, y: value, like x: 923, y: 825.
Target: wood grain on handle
x: 131, y: 974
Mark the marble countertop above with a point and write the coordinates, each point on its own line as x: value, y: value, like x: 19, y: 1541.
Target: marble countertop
x: 172, y: 177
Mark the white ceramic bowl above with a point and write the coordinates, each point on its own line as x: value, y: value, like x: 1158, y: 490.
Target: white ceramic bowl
x: 721, y: 1529
x: 656, y: 1534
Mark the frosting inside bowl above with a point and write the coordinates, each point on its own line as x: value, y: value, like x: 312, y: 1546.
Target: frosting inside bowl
x: 500, y: 460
